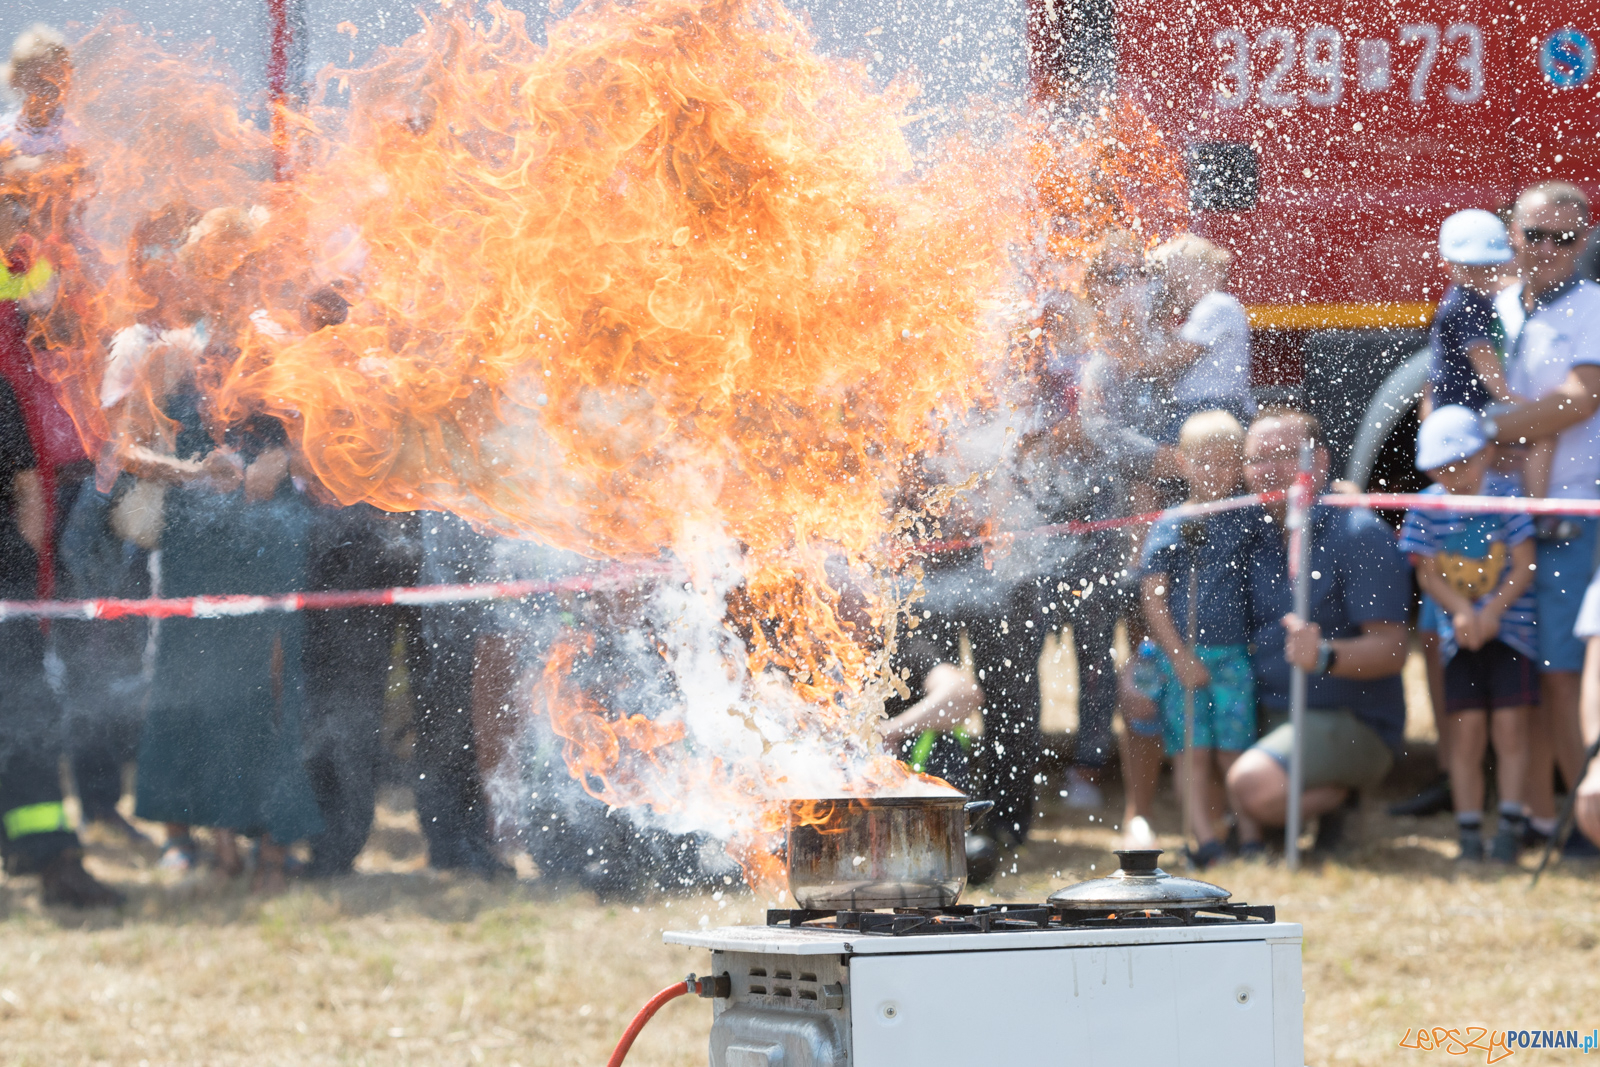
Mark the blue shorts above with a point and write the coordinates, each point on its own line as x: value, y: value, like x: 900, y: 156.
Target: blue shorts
x: 1224, y: 711
x: 1565, y: 568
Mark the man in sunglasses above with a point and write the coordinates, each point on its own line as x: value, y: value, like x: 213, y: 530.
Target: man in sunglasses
x: 1551, y: 317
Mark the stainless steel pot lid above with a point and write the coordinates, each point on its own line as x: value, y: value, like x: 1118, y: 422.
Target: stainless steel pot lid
x: 1138, y: 884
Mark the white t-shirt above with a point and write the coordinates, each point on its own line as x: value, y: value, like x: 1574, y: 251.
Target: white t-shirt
x: 1218, y: 323
x: 1541, y: 350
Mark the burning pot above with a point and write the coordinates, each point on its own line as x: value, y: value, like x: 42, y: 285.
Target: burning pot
x: 855, y: 853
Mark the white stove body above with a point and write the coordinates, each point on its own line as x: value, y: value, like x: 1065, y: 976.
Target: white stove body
x: 1227, y: 995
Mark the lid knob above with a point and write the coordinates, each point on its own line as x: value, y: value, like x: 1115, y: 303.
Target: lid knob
x: 1138, y: 860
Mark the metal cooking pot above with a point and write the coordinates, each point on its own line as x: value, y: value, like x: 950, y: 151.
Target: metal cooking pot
x: 860, y: 853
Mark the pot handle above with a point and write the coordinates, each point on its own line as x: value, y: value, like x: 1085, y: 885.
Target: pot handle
x: 976, y: 810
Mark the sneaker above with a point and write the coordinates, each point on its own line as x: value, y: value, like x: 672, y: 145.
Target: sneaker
x: 1507, y: 844
x: 1138, y: 834
x: 1206, y: 856
x: 1471, y: 847
x: 1082, y: 794
x: 1433, y: 799
x: 65, y: 882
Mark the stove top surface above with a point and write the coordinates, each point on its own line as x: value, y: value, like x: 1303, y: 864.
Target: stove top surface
x: 1012, y: 918
x: 997, y: 927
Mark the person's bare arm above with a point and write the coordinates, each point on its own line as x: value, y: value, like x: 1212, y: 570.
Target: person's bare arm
x: 1589, y: 701
x: 27, y: 495
x: 1379, y: 651
x: 262, y: 478
x: 1575, y: 400
x: 1192, y: 674
x: 1486, y: 364
x: 1587, y: 805
x: 950, y: 698
x: 218, y: 469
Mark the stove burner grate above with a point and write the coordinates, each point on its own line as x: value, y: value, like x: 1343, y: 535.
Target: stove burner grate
x: 1006, y: 918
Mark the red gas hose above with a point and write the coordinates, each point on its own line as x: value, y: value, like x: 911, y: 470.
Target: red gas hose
x: 676, y: 989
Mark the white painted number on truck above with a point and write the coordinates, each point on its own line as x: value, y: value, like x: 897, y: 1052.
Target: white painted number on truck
x: 1456, y: 55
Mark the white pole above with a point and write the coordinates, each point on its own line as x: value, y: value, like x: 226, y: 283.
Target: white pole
x: 1187, y: 771
x: 1299, y: 523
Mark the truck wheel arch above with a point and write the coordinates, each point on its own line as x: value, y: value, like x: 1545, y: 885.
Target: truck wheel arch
x: 1386, y: 412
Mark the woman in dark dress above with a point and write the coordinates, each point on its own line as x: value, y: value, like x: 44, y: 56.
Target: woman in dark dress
x: 221, y: 746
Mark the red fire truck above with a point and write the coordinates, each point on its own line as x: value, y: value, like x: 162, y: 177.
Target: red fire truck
x: 1325, y: 142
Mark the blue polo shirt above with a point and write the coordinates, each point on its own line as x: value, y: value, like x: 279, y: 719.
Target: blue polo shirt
x: 1357, y: 576
x: 1222, y: 610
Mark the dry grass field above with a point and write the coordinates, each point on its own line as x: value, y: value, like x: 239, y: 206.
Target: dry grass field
x: 396, y: 965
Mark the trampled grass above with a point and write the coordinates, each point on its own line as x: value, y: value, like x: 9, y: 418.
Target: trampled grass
x: 396, y: 965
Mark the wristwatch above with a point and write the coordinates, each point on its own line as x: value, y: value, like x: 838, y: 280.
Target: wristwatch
x: 1327, y: 656
x: 1490, y: 427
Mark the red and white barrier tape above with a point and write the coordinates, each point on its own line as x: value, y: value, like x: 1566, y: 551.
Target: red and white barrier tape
x: 1466, y: 505
x: 217, y: 607
x: 1181, y: 511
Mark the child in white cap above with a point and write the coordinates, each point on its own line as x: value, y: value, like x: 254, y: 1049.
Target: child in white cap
x: 1466, y: 367
x: 1479, y: 570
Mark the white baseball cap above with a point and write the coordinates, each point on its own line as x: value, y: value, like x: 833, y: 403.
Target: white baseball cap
x: 1451, y: 433
x: 1474, y: 238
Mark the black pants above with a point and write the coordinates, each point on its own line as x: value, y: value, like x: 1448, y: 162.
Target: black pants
x: 34, y: 821
x: 105, y: 699
x: 100, y: 747
x: 348, y: 656
x: 1093, y: 620
x: 448, y: 783
x: 1006, y: 644
x: 106, y: 690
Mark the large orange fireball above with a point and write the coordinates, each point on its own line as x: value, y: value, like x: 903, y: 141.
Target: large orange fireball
x: 670, y: 282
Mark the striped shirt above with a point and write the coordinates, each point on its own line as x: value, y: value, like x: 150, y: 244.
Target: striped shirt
x: 1474, y: 554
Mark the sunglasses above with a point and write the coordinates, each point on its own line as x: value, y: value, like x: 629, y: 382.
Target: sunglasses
x: 1560, y: 238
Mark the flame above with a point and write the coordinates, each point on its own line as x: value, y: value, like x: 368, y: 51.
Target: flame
x: 672, y: 282
x: 1109, y: 170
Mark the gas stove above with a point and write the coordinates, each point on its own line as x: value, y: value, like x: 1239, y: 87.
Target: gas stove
x: 1211, y: 983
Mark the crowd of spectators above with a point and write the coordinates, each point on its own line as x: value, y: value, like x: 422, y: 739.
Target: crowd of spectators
x: 1153, y: 407
x: 271, y: 727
